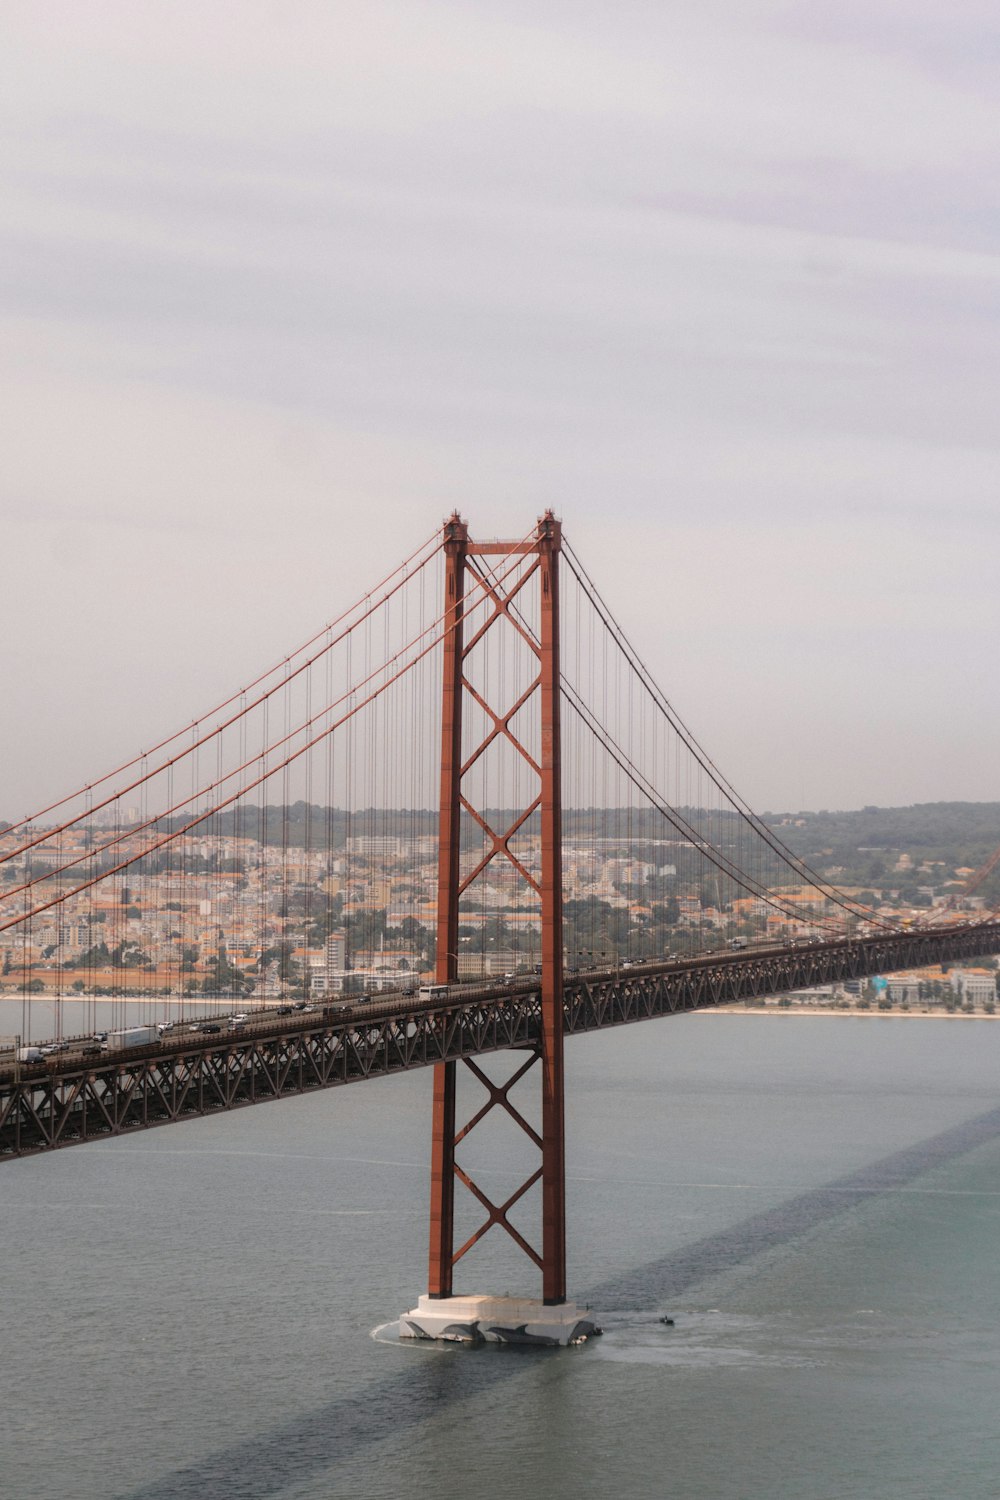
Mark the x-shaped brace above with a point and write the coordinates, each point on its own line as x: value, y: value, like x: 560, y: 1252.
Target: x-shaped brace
x: 497, y: 1213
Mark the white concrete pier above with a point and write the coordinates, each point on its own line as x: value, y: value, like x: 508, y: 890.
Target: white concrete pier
x: 498, y: 1320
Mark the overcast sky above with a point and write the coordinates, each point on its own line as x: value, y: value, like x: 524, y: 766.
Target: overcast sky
x: 285, y: 283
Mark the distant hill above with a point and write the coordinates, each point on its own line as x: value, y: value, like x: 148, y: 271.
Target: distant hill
x: 960, y: 833
x: 957, y: 832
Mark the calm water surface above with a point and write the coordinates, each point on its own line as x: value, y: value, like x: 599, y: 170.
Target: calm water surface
x: 815, y: 1200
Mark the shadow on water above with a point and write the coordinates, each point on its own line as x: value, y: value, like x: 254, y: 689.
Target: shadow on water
x: 684, y: 1268
x: 315, y: 1441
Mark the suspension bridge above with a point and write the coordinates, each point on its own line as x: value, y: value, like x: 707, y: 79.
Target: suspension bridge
x: 460, y: 819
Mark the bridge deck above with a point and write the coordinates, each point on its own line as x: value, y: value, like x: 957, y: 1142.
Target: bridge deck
x: 70, y: 1098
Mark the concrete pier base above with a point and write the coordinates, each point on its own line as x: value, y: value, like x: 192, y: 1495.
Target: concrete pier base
x: 498, y: 1320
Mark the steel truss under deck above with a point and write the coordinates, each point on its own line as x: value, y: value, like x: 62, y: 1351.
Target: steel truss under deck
x: 62, y: 1103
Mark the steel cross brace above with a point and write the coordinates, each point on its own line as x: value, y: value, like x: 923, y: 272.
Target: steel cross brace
x: 497, y: 1213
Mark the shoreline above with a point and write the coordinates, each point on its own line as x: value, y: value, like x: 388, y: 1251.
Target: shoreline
x: 195, y: 1004
x: 739, y: 1009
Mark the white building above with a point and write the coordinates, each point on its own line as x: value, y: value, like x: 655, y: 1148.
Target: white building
x: 974, y: 986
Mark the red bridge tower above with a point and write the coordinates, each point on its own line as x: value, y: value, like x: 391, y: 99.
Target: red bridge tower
x: 442, y: 1314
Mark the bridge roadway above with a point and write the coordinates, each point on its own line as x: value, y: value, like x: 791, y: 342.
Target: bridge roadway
x: 72, y: 1096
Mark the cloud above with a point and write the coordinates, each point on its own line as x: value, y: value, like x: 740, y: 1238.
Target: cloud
x: 720, y: 283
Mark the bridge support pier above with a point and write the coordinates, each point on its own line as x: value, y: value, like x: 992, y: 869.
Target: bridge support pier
x: 498, y: 1320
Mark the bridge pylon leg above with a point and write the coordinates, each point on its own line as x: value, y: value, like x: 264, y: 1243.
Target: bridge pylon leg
x: 550, y: 1319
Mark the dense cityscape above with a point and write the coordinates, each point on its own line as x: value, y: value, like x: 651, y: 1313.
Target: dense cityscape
x: 228, y: 918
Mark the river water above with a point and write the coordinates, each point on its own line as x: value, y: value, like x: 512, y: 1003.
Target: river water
x: 197, y: 1312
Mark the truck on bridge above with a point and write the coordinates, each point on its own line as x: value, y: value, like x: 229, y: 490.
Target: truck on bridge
x: 131, y: 1036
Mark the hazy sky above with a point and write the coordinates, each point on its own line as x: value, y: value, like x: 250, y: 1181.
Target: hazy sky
x: 285, y: 283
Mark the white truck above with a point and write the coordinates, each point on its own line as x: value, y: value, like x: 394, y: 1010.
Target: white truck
x: 131, y: 1036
